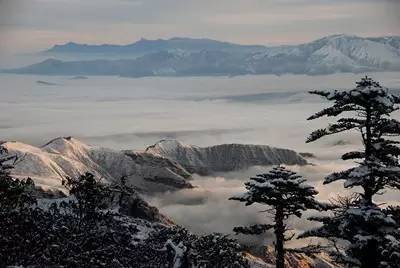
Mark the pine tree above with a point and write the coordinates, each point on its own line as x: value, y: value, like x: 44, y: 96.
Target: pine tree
x: 363, y: 225
x: 390, y: 249
x: 90, y: 196
x: 122, y: 190
x: 286, y: 194
x: 15, y: 194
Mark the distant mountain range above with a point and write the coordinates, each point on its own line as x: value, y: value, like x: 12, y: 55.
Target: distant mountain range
x: 145, y: 46
x: 201, y: 57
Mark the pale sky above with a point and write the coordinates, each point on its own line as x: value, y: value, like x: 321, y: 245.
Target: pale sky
x: 32, y: 25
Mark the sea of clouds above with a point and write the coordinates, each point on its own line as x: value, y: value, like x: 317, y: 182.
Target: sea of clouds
x: 124, y: 113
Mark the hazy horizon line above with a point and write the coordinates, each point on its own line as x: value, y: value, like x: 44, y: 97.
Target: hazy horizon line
x: 219, y: 40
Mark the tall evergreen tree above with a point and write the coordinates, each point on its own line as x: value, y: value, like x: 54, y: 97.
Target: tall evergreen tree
x: 15, y: 194
x: 362, y: 226
x: 287, y: 194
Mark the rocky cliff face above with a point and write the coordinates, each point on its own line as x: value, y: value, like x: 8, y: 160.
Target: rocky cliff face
x: 68, y: 157
x: 225, y: 157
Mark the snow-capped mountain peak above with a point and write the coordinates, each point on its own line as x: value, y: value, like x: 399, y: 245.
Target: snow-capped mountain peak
x: 166, y: 146
x: 68, y: 157
x: 362, y: 50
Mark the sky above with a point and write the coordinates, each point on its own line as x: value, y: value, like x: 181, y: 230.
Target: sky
x: 32, y: 25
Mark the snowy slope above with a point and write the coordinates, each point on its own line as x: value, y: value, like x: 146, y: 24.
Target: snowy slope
x: 63, y: 157
x: 224, y: 157
x: 336, y: 53
x: 358, y: 52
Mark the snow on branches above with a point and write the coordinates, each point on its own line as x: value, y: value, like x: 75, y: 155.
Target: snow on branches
x: 280, y: 187
x: 360, y: 229
x: 368, y: 106
x: 287, y: 194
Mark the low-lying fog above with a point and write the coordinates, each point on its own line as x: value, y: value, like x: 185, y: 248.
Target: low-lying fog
x: 133, y: 113
x: 206, y: 209
x: 126, y: 113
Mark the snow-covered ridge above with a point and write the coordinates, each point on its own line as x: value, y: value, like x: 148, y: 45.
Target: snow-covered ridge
x: 69, y: 157
x: 166, y: 165
x: 224, y: 157
x: 331, y: 54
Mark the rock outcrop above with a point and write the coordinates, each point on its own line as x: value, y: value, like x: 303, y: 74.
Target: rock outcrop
x: 224, y: 157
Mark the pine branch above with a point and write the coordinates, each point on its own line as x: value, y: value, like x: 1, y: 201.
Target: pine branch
x: 253, y: 229
x: 353, y: 155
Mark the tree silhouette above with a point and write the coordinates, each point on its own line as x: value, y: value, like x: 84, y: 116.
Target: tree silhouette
x: 287, y: 194
x: 363, y: 225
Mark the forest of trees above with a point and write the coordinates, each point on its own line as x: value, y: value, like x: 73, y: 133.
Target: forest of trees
x: 92, y: 226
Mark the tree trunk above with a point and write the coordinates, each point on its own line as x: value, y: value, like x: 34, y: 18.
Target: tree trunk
x: 280, y: 239
x: 368, y: 193
x: 369, y: 254
x: 370, y: 258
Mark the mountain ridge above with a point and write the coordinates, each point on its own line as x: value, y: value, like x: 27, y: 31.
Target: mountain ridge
x: 223, y: 157
x: 149, y: 171
x: 69, y: 47
x: 150, y: 45
x: 65, y: 157
x: 332, y: 54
